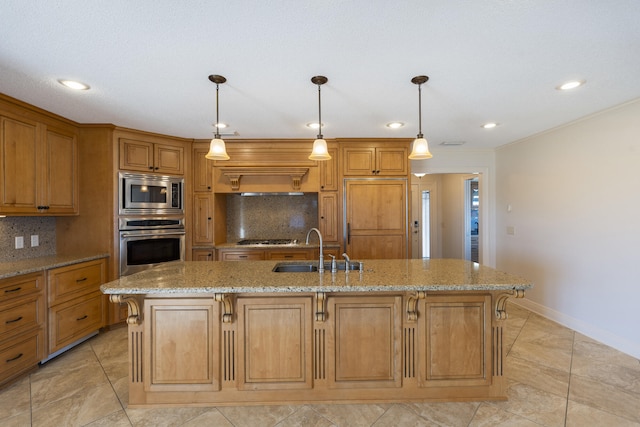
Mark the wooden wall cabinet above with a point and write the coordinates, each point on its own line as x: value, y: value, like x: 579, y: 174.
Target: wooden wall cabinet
x: 202, y: 168
x: 39, y: 168
x: 376, y: 215
x: 22, y: 324
x: 375, y: 159
x: 328, y: 218
x: 202, y: 229
x: 329, y: 170
x: 76, y: 305
x: 155, y: 157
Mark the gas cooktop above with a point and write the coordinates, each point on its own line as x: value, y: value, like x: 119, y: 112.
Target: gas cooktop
x: 267, y: 242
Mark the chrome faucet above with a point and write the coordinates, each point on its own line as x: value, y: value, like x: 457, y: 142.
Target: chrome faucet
x: 347, y: 261
x: 321, y: 262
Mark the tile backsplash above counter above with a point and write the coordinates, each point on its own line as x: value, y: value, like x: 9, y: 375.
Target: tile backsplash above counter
x: 271, y: 216
x: 25, y: 227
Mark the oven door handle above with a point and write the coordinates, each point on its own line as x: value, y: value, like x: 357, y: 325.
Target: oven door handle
x: 124, y: 235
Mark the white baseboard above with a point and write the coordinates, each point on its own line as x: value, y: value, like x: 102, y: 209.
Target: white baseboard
x: 592, y: 331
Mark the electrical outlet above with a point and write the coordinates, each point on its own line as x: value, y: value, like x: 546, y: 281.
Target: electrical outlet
x: 19, y: 242
x: 511, y: 230
x: 35, y: 240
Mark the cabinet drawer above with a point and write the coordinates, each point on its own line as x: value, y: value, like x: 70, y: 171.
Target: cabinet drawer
x: 72, y: 320
x: 21, y: 354
x: 74, y: 280
x: 290, y: 255
x: 242, y: 256
x: 20, y: 316
x: 18, y: 286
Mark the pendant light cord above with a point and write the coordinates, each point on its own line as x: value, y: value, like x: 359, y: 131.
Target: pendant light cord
x: 319, y: 115
x: 420, y: 111
x: 217, y: 134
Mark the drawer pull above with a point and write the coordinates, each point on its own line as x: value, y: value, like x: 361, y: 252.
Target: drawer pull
x: 81, y: 280
x: 14, y: 358
x: 13, y: 321
x: 8, y: 291
x: 242, y: 256
x: 82, y: 318
x: 288, y: 256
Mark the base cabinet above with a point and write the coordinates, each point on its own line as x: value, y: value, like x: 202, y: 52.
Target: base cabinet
x: 76, y: 305
x: 315, y: 347
x: 181, y: 337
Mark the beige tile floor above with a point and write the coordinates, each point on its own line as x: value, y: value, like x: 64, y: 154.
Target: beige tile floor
x: 557, y: 377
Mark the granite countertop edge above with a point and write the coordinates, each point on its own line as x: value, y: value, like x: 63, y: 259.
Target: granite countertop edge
x: 32, y: 265
x: 233, y: 277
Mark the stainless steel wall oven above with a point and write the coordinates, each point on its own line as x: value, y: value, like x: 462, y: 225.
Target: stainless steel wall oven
x: 147, y: 242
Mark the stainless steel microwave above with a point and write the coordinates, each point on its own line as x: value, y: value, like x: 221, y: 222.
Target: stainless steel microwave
x: 142, y: 194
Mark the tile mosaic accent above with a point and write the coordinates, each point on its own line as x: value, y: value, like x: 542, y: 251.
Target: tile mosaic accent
x: 271, y: 216
x: 10, y: 227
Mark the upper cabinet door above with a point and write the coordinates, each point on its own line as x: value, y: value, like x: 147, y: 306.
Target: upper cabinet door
x: 39, y: 169
x: 375, y: 159
x: 61, y: 183
x: 20, y: 166
x: 152, y: 157
x: 136, y: 155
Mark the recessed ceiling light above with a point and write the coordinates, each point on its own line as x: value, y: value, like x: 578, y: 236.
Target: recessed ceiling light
x: 571, y: 85
x: 72, y: 84
x: 489, y: 125
x: 220, y: 125
x: 452, y: 142
x: 394, y: 125
x: 313, y: 125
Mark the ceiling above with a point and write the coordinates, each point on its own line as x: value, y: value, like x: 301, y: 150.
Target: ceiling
x: 148, y: 62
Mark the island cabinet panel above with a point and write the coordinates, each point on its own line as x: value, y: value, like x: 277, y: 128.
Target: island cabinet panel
x: 456, y: 341
x: 275, y: 348
x: 364, y: 345
x: 181, y: 337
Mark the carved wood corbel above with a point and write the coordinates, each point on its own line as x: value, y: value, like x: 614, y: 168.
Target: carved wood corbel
x: 412, y: 305
x: 227, y: 303
x: 135, y: 314
x: 501, y: 302
x: 321, y: 311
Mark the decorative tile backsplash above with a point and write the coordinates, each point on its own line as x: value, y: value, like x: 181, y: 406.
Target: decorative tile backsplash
x: 12, y: 227
x: 270, y: 216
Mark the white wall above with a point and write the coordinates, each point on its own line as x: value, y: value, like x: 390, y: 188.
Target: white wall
x: 574, y: 194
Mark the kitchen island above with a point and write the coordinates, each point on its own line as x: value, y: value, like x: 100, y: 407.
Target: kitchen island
x: 229, y: 333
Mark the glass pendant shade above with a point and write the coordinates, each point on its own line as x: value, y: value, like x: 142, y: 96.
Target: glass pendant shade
x: 420, y: 150
x: 217, y: 150
x: 319, y: 151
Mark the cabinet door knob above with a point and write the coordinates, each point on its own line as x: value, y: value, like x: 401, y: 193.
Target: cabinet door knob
x: 150, y: 168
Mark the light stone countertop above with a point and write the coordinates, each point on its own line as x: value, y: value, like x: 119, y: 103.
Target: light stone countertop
x: 203, y: 277
x: 32, y: 265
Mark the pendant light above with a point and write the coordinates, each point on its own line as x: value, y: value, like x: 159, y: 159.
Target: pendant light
x: 319, y: 151
x: 420, y: 146
x: 217, y: 150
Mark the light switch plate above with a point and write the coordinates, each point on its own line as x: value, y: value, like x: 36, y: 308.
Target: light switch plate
x: 19, y: 242
x: 35, y: 240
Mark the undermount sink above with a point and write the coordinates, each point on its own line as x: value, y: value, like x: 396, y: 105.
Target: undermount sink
x: 308, y: 267
x: 295, y: 268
